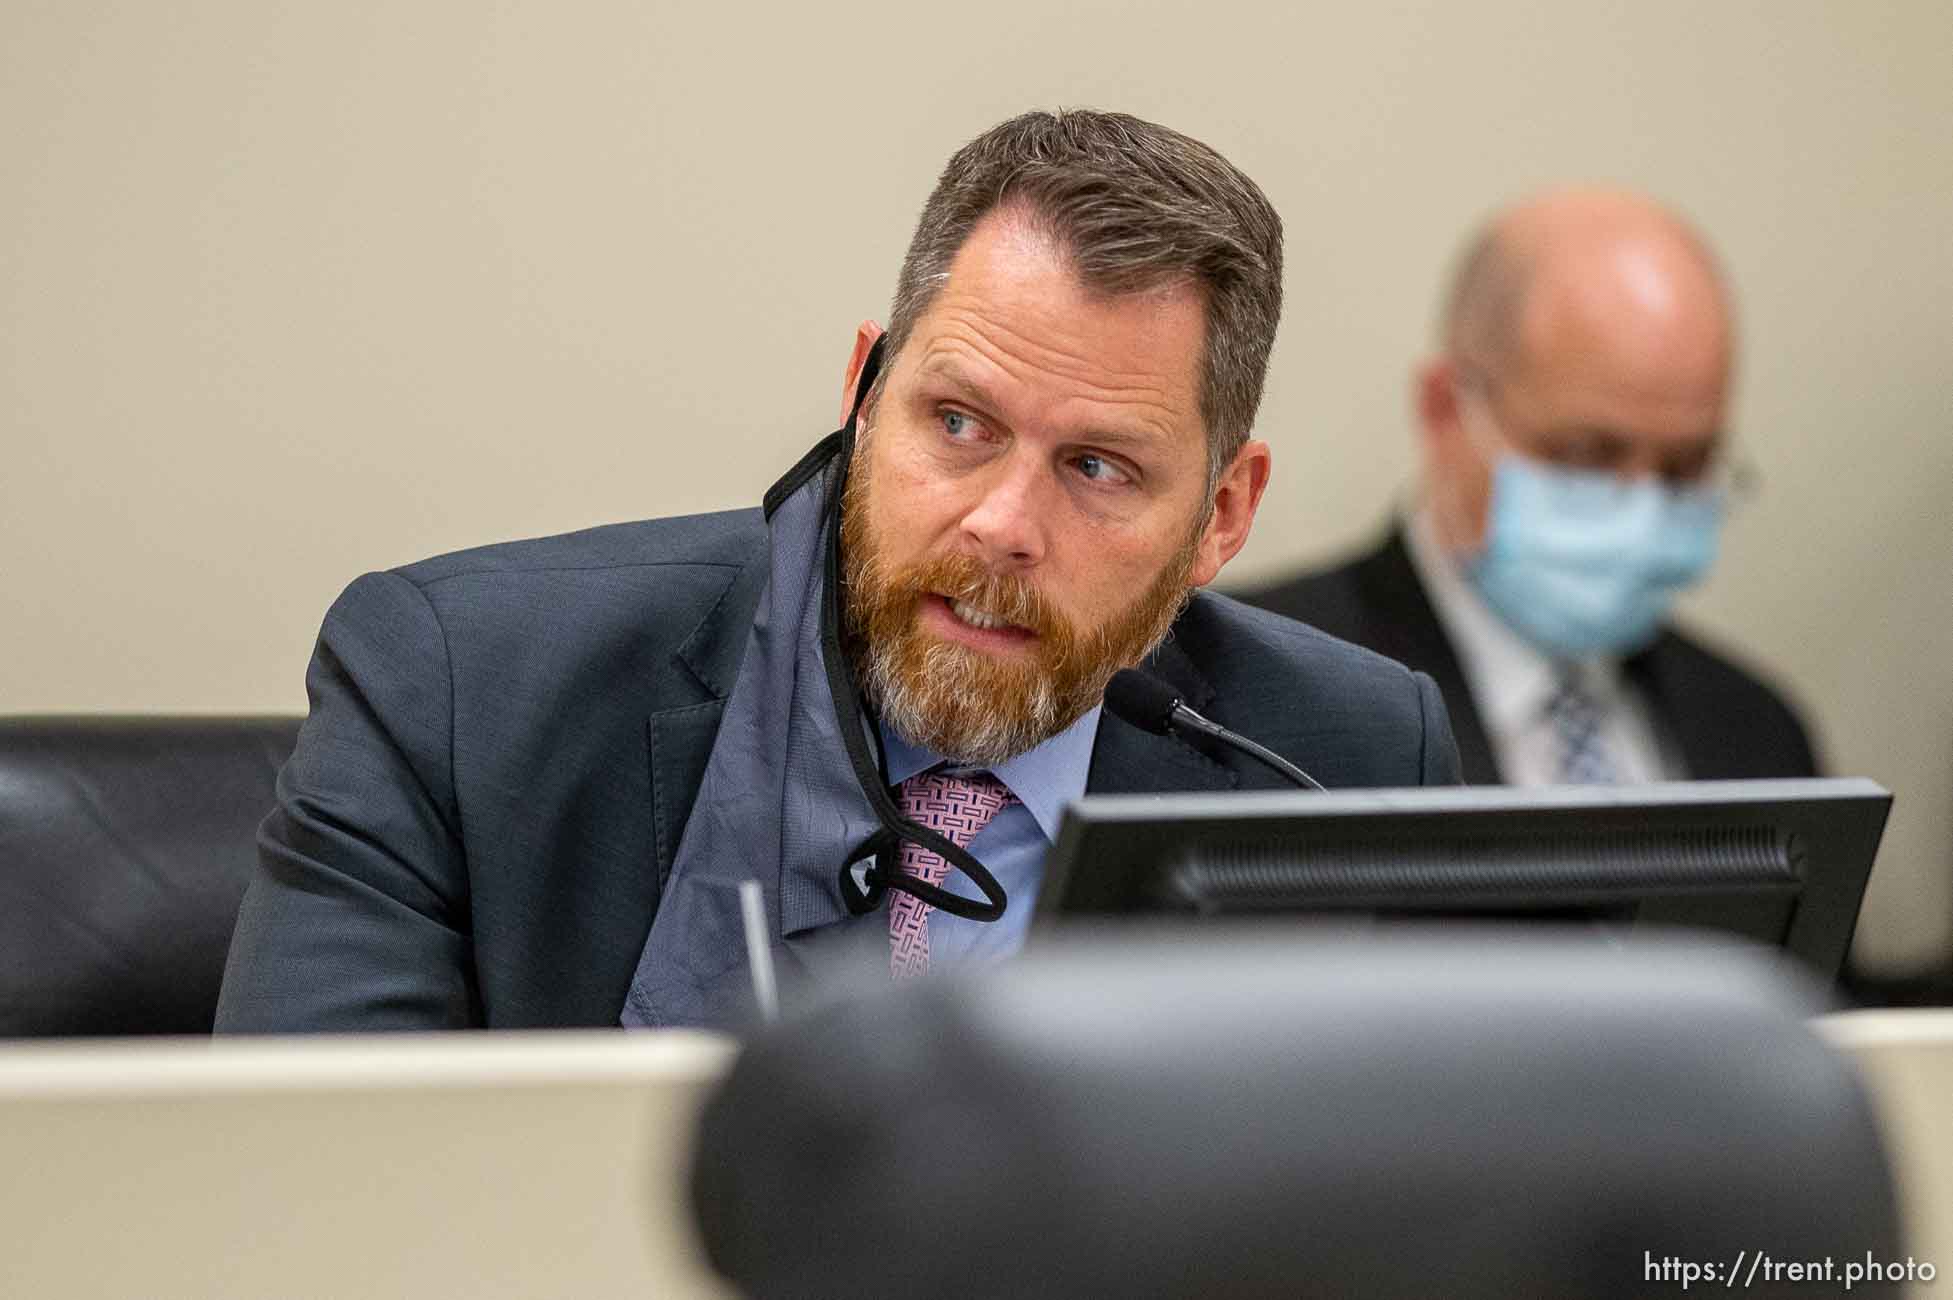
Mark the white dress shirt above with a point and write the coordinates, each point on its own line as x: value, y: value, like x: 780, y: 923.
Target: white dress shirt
x: 1512, y: 682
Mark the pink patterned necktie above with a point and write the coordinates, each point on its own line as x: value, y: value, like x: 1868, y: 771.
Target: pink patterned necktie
x: 955, y: 807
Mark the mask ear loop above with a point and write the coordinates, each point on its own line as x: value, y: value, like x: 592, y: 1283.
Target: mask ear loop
x: 835, y: 453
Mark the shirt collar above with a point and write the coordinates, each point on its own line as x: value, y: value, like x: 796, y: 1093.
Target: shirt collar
x: 1044, y: 778
x: 1511, y: 679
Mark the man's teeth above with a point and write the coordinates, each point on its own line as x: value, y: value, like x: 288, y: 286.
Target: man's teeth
x: 975, y: 617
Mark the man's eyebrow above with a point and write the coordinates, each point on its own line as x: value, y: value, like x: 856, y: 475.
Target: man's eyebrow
x: 1589, y: 438
x: 951, y: 376
x: 1613, y: 437
x: 1589, y: 432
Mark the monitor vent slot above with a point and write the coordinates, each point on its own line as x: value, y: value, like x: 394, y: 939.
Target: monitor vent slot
x: 1461, y: 869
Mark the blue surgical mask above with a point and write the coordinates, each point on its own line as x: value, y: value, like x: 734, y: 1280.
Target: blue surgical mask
x: 1584, y: 563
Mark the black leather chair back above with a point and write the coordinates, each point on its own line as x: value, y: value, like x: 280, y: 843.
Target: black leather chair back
x: 125, y: 847
x: 1299, y: 1114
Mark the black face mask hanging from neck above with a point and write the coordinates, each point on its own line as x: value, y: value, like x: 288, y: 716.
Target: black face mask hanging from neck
x: 864, y: 887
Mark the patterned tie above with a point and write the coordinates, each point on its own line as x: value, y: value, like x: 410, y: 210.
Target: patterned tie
x: 955, y: 807
x: 1576, y: 718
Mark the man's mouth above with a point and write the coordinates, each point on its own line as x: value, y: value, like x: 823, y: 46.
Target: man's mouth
x: 974, y: 625
x: 978, y: 618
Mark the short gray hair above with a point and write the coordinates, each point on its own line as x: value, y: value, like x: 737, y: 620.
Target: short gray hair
x: 1135, y: 206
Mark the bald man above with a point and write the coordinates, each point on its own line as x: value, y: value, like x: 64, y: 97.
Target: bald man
x: 1575, y: 476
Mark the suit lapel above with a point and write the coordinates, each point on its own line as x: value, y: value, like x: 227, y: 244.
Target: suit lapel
x: 1126, y: 760
x: 1695, y: 725
x: 715, y: 648
x: 1407, y: 630
x: 679, y: 740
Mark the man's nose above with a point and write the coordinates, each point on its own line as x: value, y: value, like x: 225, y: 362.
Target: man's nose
x: 1009, y: 521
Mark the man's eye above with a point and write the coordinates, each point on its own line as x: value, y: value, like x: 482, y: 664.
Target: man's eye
x: 1608, y: 455
x: 1687, y: 472
x: 1100, y: 470
x: 958, y: 425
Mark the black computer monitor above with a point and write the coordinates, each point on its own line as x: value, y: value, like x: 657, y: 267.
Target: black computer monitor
x: 1780, y: 862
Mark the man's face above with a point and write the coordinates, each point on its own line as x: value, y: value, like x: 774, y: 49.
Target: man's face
x: 1028, y: 505
x: 1614, y: 387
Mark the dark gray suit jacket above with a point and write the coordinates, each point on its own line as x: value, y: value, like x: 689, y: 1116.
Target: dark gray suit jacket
x: 1727, y: 722
x: 504, y: 745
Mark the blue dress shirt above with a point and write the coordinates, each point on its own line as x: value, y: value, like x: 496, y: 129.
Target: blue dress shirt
x: 1013, y: 845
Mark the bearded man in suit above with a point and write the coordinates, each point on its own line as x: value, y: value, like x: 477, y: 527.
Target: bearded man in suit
x: 1576, y: 471
x: 535, y: 776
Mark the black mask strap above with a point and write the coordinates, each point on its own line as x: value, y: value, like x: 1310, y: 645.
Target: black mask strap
x: 884, y: 845
x: 841, y: 440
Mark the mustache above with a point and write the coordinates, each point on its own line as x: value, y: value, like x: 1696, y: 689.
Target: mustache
x: 1005, y: 596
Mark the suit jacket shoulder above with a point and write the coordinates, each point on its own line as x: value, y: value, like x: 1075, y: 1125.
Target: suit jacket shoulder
x: 554, y: 614
x: 1346, y: 715
x: 723, y: 537
x: 1727, y: 722
x: 503, y: 742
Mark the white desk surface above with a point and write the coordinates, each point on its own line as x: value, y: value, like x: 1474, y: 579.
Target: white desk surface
x: 1906, y: 1058
x: 476, y: 1165
x: 491, y: 1165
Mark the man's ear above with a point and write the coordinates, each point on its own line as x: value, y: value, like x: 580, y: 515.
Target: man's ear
x: 1236, y: 499
x: 1454, y: 480
x: 1435, y: 395
x: 865, y: 335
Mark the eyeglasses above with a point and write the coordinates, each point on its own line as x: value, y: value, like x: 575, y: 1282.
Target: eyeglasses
x: 1728, y: 474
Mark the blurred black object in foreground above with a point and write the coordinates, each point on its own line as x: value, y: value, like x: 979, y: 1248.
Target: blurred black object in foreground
x: 1243, y: 1113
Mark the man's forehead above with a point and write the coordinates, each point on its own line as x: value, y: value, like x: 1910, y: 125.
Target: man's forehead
x: 1631, y: 315
x: 1012, y: 258
x: 1595, y: 391
x: 1013, y: 304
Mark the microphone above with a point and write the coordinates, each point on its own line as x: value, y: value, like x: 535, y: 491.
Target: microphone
x: 1151, y: 704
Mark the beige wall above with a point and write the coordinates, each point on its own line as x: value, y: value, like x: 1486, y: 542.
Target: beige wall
x: 291, y: 291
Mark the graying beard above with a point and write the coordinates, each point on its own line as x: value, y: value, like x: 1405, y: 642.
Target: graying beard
x: 989, y: 739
